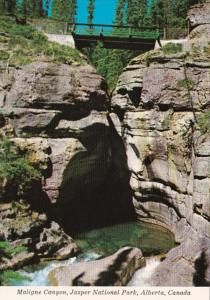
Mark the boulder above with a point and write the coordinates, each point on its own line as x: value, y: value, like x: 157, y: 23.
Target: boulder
x: 185, y: 265
x: 114, y: 270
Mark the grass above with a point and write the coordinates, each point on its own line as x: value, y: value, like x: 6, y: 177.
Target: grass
x: 204, y: 121
x: 22, y: 44
x: 172, y: 48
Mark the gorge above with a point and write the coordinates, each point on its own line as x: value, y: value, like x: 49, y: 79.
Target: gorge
x: 143, y: 153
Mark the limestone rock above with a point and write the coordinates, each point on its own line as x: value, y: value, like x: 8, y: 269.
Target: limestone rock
x: 114, y: 270
x: 55, y: 243
x: 184, y: 267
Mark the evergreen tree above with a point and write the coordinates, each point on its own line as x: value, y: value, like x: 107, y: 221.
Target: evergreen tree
x: 91, y: 7
x: 7, y: 6
x: 119, y: 16
x: 64, y: 10
x: 30, y: 8
x: 136, y: 12
x: 158, y: 13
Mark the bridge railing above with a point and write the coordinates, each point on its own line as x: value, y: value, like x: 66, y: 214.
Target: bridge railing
x: 61, y: 27
x: 114, y: 31
x: 49, y: 25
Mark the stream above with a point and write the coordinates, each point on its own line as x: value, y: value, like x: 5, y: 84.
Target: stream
x: 101, y: 242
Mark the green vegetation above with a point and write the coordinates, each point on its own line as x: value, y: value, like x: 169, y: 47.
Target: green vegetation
x: 9, y: 277
x: 203, y: 121
x: 207, y: 49
x: 172, y: 48
x: 64, y: 10
x: 185, y: 83
x: 16, y: 168
x: 22, y: 44
x: 91, y: 7
x: 7, y: 250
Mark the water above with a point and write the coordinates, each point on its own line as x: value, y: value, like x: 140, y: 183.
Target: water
x: 152, y: 240
x: 105, y: 241
x: 142, y: 276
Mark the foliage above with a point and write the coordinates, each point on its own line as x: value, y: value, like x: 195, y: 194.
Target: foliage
x: 172, y: 48
x: 9, y: 277
x: 91, y: 7
x: 185, y: 83
x: 32, y: 8
x: 109, y: 63
x: 207, y: 49
x: 25, y: 45
x: 16, y: 168
x: 64, y: 10
x: 204, y: 121
x: 7, y: 250
x: 137, y: 13
x: 120, y: 11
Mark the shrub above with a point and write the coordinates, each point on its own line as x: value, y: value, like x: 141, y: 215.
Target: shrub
x: 7, y: 250
x: 204, y: 121
x: 185, y: 83
x: 16, y: 168
x: 172, y: 48
x: 10, y: 277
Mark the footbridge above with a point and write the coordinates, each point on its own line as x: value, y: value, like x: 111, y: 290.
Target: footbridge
x: 114, y: 37
x: 84, y: 35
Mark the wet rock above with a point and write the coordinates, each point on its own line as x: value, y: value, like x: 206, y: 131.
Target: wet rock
x: 54, y: 243
x: 184, y: 267
x: 17, y: 261
x: 114, y: 270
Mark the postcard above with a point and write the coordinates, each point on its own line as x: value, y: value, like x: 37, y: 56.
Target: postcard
x: 104, y: 149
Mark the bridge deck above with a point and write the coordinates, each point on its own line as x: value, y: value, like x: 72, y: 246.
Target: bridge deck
x: 115, y: 37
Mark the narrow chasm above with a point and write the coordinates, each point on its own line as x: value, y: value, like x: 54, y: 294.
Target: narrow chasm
x: 95, y: 190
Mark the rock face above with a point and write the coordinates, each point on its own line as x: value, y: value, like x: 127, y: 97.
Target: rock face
x: 114, y: 270
x: 162, y: 102
x: 199, y: 19
x: 59, y: 113
x: 31, y: 230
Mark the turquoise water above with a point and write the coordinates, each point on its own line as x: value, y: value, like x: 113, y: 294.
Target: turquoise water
x: 150, y: 239
x: 105, y: 241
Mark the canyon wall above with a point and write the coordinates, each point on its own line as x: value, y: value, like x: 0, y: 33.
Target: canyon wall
x: 163, y: 101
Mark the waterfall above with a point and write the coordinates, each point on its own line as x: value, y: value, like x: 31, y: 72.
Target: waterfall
x: 142, y: 276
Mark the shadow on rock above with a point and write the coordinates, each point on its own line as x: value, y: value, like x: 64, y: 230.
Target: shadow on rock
x: 95, y: 189
x: 201, y: 266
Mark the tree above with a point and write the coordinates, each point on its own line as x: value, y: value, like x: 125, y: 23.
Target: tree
x: 91, y: 7
x: 7, y: 6
x: 64, y: 10
x: 119, y: 16
x: 30, y: 8
x: 158, y: 13
x: 136, y: 12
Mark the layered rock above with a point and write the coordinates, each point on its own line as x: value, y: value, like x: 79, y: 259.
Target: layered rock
x: 34, y: 234
x: 58, y: 112
x: 162, y: 100
x: 199, y: 20
x: 114, y: 270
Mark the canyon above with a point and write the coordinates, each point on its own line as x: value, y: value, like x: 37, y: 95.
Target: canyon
x: 143, y: 152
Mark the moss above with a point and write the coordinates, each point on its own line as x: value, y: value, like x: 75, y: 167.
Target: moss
x: 172, y: 48
x: 203, y: 121
x: 23, y: 45
x: 185, y: 83
x: 207, y: 49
